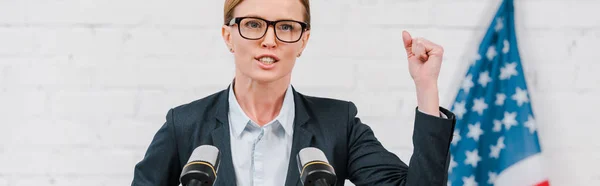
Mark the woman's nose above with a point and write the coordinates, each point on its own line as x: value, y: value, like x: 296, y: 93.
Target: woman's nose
x: 269, y: 41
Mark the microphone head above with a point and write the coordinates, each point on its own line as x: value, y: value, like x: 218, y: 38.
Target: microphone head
x: 205, y: 153
x: 314, y: 166
x: 310, y: 154
x: 202, y: 166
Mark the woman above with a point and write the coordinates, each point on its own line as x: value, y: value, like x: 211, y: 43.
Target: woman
x: 260, y: 122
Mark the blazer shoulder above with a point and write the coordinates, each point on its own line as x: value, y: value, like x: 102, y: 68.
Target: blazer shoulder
x: 329, y: 107
x: 324, y: 102
x: 198, y: 109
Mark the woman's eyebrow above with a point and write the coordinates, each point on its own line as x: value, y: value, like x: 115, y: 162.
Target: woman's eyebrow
x: 254, y: 15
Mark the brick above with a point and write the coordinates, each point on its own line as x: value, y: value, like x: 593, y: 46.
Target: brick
x: 79, y: 41
x: 157, y: 103
x: 34, y: 132
x: 163, y: 74
x: 40, y: 74
x: 551, y: 46
x: 70, y: 160
x: 375, y: 43
x: 127, y: 133
x: 330, y: 73
x: 12, y: 12
x: 564, y: 120
x: 553, y: 76
x: 551, y: 14
x: 182, y: 12
x: 188, y: 12
x: 389, y: 12
x: 3, y: 181
x: 330, y: 12
x: 587, y: 78
x: 23, y: 104
x: 325, y: 41
x: 93, y: 104
x: 17, y: 41
x: 379, y: 75
x: 465, y: 13
x: 578, y: 162
x: 174, y: 42
x: 72, y: 180
x: 583, y: 48
x: 92, y: 12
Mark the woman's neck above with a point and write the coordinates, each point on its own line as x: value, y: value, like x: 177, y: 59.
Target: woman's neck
x: 260, y: 101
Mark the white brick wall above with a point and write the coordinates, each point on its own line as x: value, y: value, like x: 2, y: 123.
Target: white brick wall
x: 88, y: 83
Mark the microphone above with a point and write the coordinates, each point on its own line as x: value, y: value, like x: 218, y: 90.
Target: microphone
x: 201, y: 168
x: 314, y: 168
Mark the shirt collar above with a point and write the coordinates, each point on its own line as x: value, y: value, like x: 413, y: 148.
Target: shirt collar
x: 239, y: 120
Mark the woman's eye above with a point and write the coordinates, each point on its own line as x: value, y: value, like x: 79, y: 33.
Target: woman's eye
x: 286, y: 27
x: 252, y: 24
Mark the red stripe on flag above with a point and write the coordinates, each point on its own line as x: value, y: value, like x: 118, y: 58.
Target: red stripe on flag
x: 545, y: 183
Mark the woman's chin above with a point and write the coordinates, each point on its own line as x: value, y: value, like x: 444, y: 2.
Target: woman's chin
x: 266, y: 77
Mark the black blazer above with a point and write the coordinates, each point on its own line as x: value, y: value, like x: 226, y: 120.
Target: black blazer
x: 328, y: 124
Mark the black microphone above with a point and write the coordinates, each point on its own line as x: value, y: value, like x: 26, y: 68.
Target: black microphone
x: 201, y: 168
x: 314, y: 168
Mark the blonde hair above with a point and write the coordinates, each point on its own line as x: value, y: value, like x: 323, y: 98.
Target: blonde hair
x: 231, y: 4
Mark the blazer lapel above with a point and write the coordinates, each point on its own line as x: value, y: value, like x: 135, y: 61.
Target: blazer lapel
x: 220, y: 137
x: 302, y: 138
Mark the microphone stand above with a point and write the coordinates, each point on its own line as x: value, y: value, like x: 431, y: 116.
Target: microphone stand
x: 195, y: 182
x: 321, y: 182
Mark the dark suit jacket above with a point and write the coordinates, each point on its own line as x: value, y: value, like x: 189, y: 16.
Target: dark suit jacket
x: 330, y: 125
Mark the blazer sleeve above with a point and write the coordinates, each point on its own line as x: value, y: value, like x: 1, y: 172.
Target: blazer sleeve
x: 369, y: 163
x: 160, y: 165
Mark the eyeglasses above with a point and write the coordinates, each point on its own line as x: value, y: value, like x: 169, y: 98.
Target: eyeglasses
x: 254, y: 28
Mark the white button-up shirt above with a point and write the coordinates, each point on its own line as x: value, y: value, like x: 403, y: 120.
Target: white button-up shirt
x: 261, y: 154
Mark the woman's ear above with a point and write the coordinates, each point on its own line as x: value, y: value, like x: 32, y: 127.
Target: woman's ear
x: 226, y: 34
x: 304, y: 41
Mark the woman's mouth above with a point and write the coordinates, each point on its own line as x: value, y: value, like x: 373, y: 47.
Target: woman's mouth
x: 267, y: 60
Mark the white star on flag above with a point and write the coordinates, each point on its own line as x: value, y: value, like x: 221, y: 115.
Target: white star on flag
x: 452, y: 164
x: 491, y: 53
x: 467, y: 83
x: 509, y: 120
x: 469, y: 181
x: 479, y: 105
x: 456, y: 137
x: 472, y: 158
x: 459, y: 109
x: 495, y: 149
x: 500, y: 99
x: 476, y: 57
x: 492, y: 178
x: 499, y: 24
x: 520, y: 96
x: 530, y: 123
x: 484, y: 78
x: 506, y: 47
x: 475, y: 131
x: 497, y: 126
x: 508, y: 70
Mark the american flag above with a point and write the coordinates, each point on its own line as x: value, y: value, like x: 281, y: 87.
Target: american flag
x: 495, y: 138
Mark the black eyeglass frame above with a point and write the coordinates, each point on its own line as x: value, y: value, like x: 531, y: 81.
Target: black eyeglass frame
x: 238, y: 20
